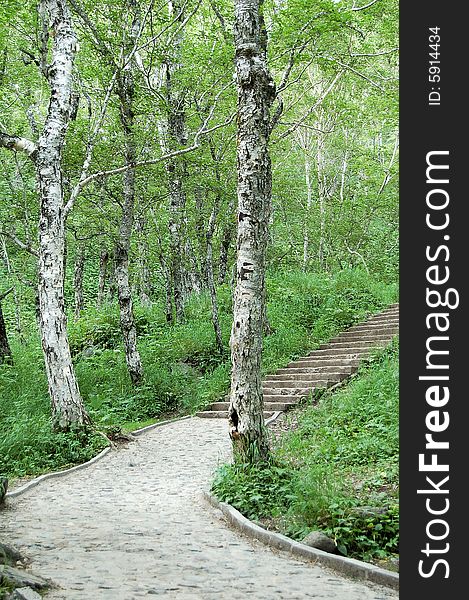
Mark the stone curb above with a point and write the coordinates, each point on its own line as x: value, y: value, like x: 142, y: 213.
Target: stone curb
x: 348, y: 566
x: 138, y: 432
x: 54, y: 474
x: 275, y: 416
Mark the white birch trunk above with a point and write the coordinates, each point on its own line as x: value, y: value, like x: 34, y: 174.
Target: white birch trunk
x: 143, y: 273
x: 256, y: 92
x: 321, y: 192
x: 224, y: 252
x: 309, y: 203
x: 172, y: 133
x: 67, y: 404
x: 344, y: 168
x: 126, y: 92
x: 5, y: 350
x: 209, y: 274
x: 177, y: 202
x: 103, y: 265
x: 78, y: 280
x: 124, y: 292
x: 6, y: 258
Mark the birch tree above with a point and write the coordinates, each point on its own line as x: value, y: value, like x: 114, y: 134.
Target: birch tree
x: 103, y: 268
x: 67, y: 405
x: 126, y: 92
x: 125, y: 88
x: 5, y: 350
x: 173, y: 134
x: 78, y: 279
x: 256, y: 92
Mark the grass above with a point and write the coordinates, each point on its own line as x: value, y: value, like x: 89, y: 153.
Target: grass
x: 183, y: 370
x: 336, y: 472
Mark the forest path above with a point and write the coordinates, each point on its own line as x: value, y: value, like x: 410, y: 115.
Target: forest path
x: 135, y: 524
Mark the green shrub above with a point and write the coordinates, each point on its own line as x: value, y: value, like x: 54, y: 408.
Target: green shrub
x: 372, y: 536
x: 255, y: 490
x: 100, y: 329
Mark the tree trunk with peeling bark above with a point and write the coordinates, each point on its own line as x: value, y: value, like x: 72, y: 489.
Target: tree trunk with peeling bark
x: 126, y: 92
x: 5, y: 350
x: 103, y: 265
x: 78, y: 280
x: 6, y: 259
x: 213, y: 293
x: 173, y: 135
x: 256, y: 91
x: 225, y: 244
x: 124, y: 292
x: 321, y: 194
x: 143, y: 273
x: 227, y: 236
x: 67, y: 405
x: 309, y: 204
x: 207, y: 249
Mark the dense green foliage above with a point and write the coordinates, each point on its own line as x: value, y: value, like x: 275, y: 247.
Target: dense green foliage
x: 332, y: 254
x: 336, y: 472
x: 348, y: 137
x: 183, y: 369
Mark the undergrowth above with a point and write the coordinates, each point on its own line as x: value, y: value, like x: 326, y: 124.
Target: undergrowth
x: 184, y: 371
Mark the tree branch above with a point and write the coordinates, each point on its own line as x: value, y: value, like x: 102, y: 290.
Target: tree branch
x: 18, y: 144
x: 387, y: 177
x: 362, y: 75
x: 313, y: 108
x: 19, y: 243
x: 357, y: 8
x: 381, y: 53
x: 5, y: 294
x: 89, y: 151
x: 200, y: 133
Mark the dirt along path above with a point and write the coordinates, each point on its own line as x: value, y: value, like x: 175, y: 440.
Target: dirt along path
x: 135, y: 525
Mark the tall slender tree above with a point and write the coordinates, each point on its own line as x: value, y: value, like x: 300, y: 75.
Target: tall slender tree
x: 126, y: 93
x: 256, y: 92
x: 5, y: 350
x: 173, y: 135
x: 67, y: 405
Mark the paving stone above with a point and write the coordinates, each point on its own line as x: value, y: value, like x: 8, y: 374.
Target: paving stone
x: 18, y: 577
x: 110, y: 532
x: 25, y: 593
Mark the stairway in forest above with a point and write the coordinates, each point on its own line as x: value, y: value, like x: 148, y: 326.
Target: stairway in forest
x: 324, y: 367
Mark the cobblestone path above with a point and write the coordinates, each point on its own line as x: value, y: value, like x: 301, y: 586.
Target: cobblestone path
x: 135, y: 525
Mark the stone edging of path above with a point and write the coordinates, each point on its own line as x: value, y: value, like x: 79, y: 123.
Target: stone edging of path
x: 53, y: 474
x: 348, y: 566
x: 34, y: 482
x: 273, y: 417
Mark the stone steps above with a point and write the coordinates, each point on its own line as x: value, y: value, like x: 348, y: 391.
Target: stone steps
x: 367, y: 335
x: 270, y: 406
x: 291, y: 398
x: 306, y: 376
x: 329, y: 364
x: 292, y: 384
x: 385, y: 320
x: 297, y: 382
x: 328, y: 359
x: 331, y: 351
x: 365, y: 343
x: 327, y: 370
x: 217, y: 414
